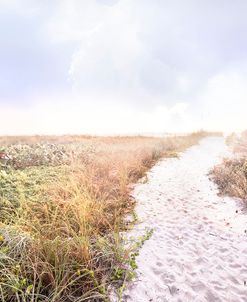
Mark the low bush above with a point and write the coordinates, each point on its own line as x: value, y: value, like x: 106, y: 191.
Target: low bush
x: 231, y: 177
x: 231, y: 174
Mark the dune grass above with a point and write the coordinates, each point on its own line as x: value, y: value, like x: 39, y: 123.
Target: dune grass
x: 62, y: 206
x: 231, y: 174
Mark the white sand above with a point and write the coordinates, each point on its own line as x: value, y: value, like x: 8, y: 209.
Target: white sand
x: 198, y: 251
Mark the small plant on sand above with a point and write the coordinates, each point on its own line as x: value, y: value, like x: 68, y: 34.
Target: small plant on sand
x: 126, y: 272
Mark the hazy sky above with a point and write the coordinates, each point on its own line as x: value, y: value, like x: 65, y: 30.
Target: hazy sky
x: 122, y: 66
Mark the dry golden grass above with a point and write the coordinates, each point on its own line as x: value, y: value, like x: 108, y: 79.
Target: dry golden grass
x: 63, y: 242
x: 231, y: 175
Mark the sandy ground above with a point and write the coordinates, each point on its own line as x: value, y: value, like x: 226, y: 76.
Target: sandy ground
x: 198, y: 251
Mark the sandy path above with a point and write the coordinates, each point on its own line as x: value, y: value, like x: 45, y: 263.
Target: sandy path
x: 198, y: 251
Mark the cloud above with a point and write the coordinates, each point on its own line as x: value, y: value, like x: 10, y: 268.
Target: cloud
x: 25, y: 7
x: 223, y: 103
x: 142, y: 48
x: 143, y: 65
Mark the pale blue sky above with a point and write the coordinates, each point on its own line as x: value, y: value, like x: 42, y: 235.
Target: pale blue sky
x: 121, y: 66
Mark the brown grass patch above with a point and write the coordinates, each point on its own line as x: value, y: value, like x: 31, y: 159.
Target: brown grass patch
x: 231, y: 174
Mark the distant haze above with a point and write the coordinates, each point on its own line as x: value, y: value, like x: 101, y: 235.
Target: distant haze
x: 126, y: 66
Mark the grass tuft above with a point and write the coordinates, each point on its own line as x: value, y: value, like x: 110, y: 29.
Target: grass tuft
x: 231, y: 174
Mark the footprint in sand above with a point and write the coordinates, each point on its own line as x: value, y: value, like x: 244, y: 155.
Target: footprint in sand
x: 192, y: 255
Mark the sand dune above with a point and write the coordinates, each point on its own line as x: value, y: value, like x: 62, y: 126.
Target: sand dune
x: 198, y: 251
